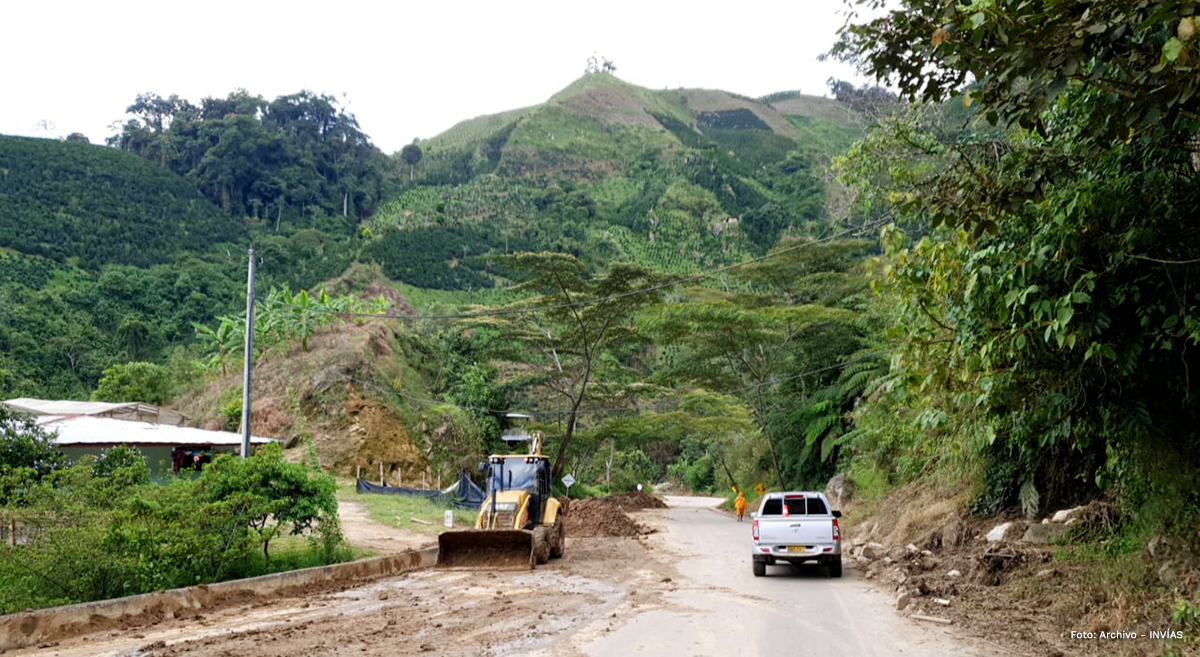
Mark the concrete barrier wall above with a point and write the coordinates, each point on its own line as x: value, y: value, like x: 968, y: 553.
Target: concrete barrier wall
x: 34, y: 627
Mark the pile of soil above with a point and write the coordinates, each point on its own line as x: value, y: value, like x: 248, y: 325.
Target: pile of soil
x: 638, y: 500
x: 593, y: 517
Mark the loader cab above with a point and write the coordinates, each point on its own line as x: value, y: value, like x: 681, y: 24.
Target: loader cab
x: 524, y: 468
x: 519, y: 472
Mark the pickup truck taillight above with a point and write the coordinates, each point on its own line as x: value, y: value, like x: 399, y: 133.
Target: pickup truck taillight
x: 754, y: 530
x: 837, y: 531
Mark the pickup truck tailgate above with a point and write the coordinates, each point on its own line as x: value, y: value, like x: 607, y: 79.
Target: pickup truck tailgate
x: 795, y: 531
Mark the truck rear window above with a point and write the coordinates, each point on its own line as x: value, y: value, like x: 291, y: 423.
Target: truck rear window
x: 796, y: 506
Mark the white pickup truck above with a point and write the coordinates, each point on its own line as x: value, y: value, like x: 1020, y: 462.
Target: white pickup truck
x: 796, y: 527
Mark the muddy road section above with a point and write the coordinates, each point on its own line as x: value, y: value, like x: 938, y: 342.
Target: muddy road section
x: 685, y: 587
x: 367, y: 534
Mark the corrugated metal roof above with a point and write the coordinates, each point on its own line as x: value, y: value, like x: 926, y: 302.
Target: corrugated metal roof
x: 82, y: 430
x: 120, y: 411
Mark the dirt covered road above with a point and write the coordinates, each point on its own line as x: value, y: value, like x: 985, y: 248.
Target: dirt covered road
x: 679, y: 590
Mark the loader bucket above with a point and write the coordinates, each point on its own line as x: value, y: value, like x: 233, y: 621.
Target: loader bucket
x: 495, y: 549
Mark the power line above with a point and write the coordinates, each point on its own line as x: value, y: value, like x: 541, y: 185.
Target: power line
x: 589, y: 302
x: 617, y: 409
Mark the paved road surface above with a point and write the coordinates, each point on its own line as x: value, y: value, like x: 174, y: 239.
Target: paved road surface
x: 685, y: 590
x: 720, y: 608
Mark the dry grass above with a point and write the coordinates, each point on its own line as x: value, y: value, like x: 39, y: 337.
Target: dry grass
x: 711, y: 100
x: 914, y: 513
x: 819, y: 107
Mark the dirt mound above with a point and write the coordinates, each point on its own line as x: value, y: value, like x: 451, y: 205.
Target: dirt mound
x: 593, y: 517
x: 638, y: 500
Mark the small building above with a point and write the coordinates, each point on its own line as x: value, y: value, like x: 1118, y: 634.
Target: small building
x: 118, y: 411
x: 80, y: 435
x: 83, y: 428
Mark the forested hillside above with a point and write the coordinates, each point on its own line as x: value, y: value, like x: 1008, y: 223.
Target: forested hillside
x: 92, y: 206
x: 299, y: 157
x: 125, y: 253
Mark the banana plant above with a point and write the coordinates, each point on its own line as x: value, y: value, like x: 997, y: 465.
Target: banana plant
x: 220, y: 342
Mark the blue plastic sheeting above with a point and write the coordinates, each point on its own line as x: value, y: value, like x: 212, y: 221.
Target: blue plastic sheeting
x: 466, y: 494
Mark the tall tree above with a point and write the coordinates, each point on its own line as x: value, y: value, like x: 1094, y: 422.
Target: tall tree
x: 1138, y: 57
x: 411, y: 154
x: 297, y: 152
x: 1044, y: 279
x: 742, y: 343
x: 571, y: 322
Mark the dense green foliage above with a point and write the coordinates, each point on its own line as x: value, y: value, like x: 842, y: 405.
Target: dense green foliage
x: 1042, y: 276
x: 27, y: 455
x: 778, y: 350
x: 434, y: 257
x: 57, y: 338
x: 1137, y: 58
x: 609, y: 172
x: 98, y: 529
x: 299, y: 156
x: 95, y: 206
x: 145, y: 382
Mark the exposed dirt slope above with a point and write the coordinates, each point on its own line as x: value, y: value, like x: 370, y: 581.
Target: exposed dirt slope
x: 1025, y: 594
x: 322, y: 394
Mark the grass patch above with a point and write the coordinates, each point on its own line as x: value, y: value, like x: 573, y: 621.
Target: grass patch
x: 296, y: 552
x: 398, y: 510
x: 431, y: 301
x: 823, y: 137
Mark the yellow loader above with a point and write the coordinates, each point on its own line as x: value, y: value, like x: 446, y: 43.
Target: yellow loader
x: 519, y: 523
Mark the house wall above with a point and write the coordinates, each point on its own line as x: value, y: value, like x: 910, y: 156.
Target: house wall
x: 158, y: 457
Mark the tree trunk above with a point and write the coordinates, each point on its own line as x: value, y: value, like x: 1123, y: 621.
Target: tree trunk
x: 612, y: 455
x: 732, y: 481
x: 774, y: 459
x: 561, y: 459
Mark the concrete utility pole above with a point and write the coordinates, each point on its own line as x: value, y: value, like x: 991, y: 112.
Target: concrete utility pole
x: 249, y: 362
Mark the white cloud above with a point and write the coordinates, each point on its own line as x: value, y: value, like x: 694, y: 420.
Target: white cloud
x: 405, y: 69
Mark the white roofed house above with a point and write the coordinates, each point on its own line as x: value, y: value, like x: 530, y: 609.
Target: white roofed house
x: 92, y: 427
x: 117, y: 411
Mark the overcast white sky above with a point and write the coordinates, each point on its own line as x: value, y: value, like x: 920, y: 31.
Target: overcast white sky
x: 405, y: 69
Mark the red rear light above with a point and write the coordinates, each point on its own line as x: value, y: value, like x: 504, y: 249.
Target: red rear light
x: 837, y: 531
x: 754, y: 530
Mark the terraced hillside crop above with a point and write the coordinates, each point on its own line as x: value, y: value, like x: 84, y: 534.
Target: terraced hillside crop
x: 94, y: 205
x: 679, y: 180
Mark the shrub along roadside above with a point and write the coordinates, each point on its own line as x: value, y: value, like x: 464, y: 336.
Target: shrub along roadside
x: 99, y: 529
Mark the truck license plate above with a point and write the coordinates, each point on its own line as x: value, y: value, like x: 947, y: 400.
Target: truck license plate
x: 796, y: 548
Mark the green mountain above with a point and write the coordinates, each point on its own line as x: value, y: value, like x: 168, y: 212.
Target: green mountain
x: 109, y: 255
x: 679, y: 180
